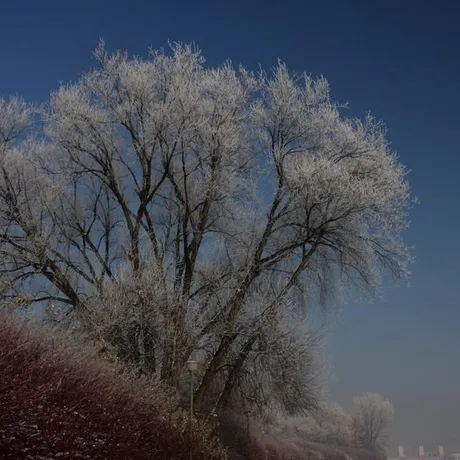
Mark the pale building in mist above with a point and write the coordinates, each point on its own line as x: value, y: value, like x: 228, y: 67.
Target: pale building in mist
x: 423, y: 455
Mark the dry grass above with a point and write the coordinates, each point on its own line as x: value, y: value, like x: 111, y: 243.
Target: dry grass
x: 62, y: 403
x: 58, y: 402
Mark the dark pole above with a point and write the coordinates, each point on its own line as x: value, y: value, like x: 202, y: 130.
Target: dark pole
x: 192, y: 367
x: 191, y: 416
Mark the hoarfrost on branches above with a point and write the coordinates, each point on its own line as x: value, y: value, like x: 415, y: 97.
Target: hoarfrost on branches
x: 177, y: 209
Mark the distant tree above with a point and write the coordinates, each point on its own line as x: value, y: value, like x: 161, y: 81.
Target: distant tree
x: 372, y: 418
x: 330, y: 424
x: 336, y: 425
x: 177, y: 210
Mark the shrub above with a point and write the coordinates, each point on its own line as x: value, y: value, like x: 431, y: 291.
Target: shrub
x: 60, y: 402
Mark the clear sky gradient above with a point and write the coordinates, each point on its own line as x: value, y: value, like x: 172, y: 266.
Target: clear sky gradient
x: 399, y: 59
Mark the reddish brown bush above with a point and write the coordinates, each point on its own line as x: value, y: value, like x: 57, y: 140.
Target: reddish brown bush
x: 57, y: 402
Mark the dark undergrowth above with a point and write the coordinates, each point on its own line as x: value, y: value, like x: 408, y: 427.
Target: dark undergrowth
x: 58, y: 402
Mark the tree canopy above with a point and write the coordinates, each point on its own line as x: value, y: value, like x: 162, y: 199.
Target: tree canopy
x: 176, y: 210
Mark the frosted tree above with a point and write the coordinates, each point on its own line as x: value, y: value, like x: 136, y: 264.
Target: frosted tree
x: 373, y: 415
x: 178, y: 210
x: 329, y: 424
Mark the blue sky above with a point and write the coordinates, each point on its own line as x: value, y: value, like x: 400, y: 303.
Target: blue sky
x: 398, y: 59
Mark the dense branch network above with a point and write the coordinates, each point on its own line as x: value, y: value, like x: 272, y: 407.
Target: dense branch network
x: 179, y: 210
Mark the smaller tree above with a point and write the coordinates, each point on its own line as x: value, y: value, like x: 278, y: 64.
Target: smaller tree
x: 336, y: 424
x: 371, y: 419
x: 330, y: 424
